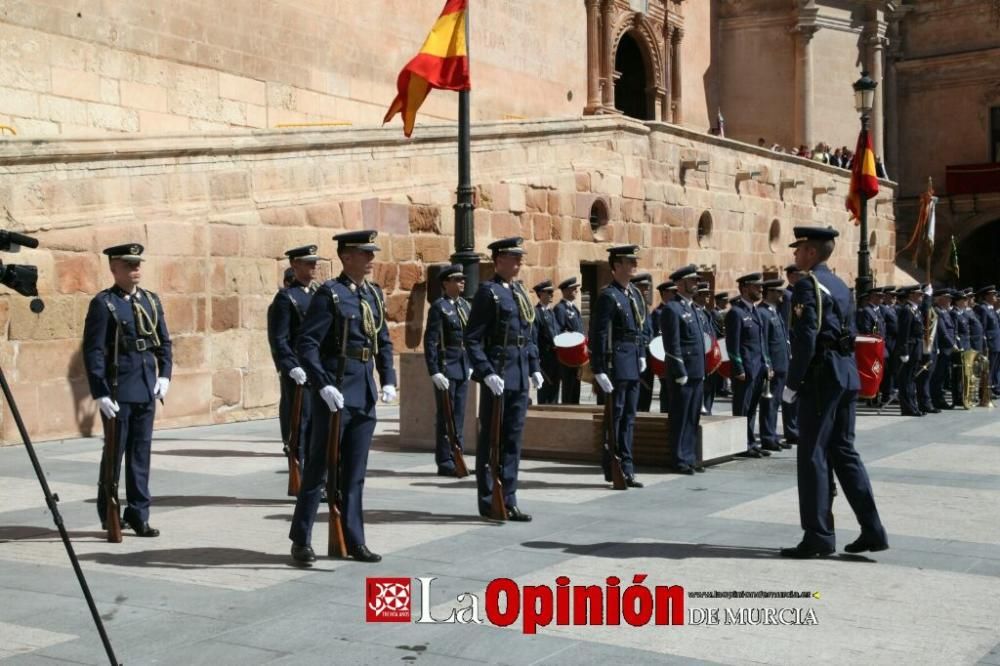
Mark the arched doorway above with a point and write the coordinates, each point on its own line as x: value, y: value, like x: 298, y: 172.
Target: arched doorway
x: 977, y: 256
x: 632, y: 79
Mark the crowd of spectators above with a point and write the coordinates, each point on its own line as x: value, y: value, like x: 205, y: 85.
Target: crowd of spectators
x: 841, y: 157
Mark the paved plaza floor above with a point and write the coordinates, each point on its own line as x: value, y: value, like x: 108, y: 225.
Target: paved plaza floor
x: 218, y: 586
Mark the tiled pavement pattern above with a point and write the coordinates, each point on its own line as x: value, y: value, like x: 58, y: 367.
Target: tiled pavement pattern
x: 217, y: 587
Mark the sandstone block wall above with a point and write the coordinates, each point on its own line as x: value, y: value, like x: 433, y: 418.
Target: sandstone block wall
x: 217, y: 211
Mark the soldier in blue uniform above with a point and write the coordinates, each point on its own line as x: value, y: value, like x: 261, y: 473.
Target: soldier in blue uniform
x: 890, y: 315
x: 348, y: 306
x: 684, y: 347
x: 777, y: 344
x: 789, y: 410
x: 702, y: 301
x: 930, y: 358
x: 745, y: 343
x: 721, y: 384
x: 823, y: 378
x: 285, y: 316
x: 501, y: 346
x: 869, y: 321
x: 643, y: 282
x: 668, y: 292
x: 447, y: 363
x: 990, y: 321
x: 617, y: 356
x: 569, y: 319
x: 910, y: 350
x: 946, y: 341
x: 546, y: 329
x: 127, y: 355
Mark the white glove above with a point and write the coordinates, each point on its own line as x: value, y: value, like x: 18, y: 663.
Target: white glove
x: 333, y: 398
x: 904, y: 359
x: 162, y: 386
x: 929, y: 290
x: 108, y: 407
x: 681, y: 381
x: 388, y: 393
x: 788, y: 395
x: 298, y: 375
x: 440, y: 381
x: 537, y: 380
x: 642, y: 364
x: 603, y: 381
x: 470, y: 374
x: 495, y: 384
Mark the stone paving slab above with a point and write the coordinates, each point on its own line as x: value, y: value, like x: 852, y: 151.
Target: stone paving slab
x: 218, y: 586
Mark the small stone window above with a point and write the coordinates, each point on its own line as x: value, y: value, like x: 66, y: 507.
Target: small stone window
x: 599, y: 219
x: 774, y: 236
x: 705, y: 230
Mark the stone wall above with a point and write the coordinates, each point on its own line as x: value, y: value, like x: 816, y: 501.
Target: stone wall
x: 216, y: 212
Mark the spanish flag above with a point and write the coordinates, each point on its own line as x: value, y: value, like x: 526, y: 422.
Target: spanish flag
x: 443, y: 62
x: 864, y: 182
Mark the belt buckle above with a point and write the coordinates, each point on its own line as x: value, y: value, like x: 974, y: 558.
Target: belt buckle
x: 140, y: 345
x: 366, y: 354
x: 520, y: 341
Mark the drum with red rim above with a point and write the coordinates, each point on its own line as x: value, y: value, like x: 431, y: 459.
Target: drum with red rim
x: 869, y: 352
x: 713, y: 355
x: 657, y: 357
x: 571, y: 349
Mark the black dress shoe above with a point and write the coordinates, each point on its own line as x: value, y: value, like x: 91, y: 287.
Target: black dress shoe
x: 804, y: 552
x: 700, y: 469
x: 631, y: 482
x: 863, y: 543
x: 683, y: 469
x: 930, y: 410
x: 362, y: 554
x: 791, y: 441
x: 143, y: 529
x: 763, y: 453
x: 303, y: 554
x: 518, y: 516
x: 771, y: 446
x: 446, y: 471
x: 785, y: 445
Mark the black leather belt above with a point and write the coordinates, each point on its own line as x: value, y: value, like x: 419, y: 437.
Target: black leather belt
x: 458, y: 345
x: 627, y: 337
x: 130, y: 345
x: 362, y: 354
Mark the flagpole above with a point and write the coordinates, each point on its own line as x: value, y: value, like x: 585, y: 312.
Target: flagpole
x: 465, y: 233
x: 864, y: 280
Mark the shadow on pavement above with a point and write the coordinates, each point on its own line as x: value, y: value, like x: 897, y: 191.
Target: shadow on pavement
x: 28, y: 533
x: 666, y: 550
x: 380, y: 516
x: 218, y: 500
x: 190, y: 558
x: 218, y: 453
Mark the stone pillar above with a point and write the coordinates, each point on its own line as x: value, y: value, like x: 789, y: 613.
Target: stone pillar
x: 593, y: 58
x: 608, y: 55
x: 891, y: 140
x: 668, y: 83
x: 875, y: 55
x: 804, y: 85
x: 675, y: 78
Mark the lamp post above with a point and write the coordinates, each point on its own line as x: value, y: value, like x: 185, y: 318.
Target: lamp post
x: 864, y: 100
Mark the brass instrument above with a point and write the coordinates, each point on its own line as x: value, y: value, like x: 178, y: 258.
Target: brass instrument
x: 985, y: 397
x: 970, y: 363
x: 767, y: 395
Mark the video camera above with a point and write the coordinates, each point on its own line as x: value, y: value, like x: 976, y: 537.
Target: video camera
x: 22, y: 278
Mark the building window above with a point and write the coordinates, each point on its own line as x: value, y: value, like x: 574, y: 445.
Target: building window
x: 774, y: 236
x: 705, y: 230
x: 599, y: 219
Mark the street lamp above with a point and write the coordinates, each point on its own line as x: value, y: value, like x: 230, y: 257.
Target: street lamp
x: 864, y: 100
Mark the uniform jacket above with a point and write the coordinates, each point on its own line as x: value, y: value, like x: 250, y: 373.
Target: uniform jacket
x: 499, y: 312
x: 568, y: 317
x: 870, y: 321
x: 910, y: 340
x: 337, y: 305
x: 991, y: 326
x: 619, y: 313
x: 285, y: 316
x: 944, y: 337
x: 976, y: 339
x: 683, y: 340
x: 777, y: 346
x: 137, y: 370
x: 745, y: 340
x: 891, y: 316
x: 821, y: 315
x: 446, y: 328
x: 961, y: 328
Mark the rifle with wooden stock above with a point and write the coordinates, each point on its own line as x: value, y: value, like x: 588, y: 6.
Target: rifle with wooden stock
x: 336, y: 543
x: 109, y: 460
x: 292, y: 450
x: 461, y: 470
x: 498, y: 509
x: 617, y: 475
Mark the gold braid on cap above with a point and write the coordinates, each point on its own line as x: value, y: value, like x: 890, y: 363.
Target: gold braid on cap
x: 144, y: 323
x: 527, y: 310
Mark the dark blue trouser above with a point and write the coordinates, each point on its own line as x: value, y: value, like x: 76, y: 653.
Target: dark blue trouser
x: 626, y: 399
x: 995, y: 371
x: 769, y: 411
x: 826, y: 428
x: 458, y: 390
x: 570, y: 381
x: 941, y: 379
x: 288, y: 386
x: 646, y: 380
x: 708, y: 389
x: 552, y: 374
x: 790, y: 420
x: 135, y: 442
x: 356, y: 429
x: 908, y: 386
x: 746, y: 397
x: 923, y: 382
x: 682, y: 428
x: 515, y: 408
x: 889, y: 377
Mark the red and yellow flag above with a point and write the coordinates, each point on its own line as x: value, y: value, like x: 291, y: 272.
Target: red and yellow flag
x: 864, y: 181
x: 443, y: 62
